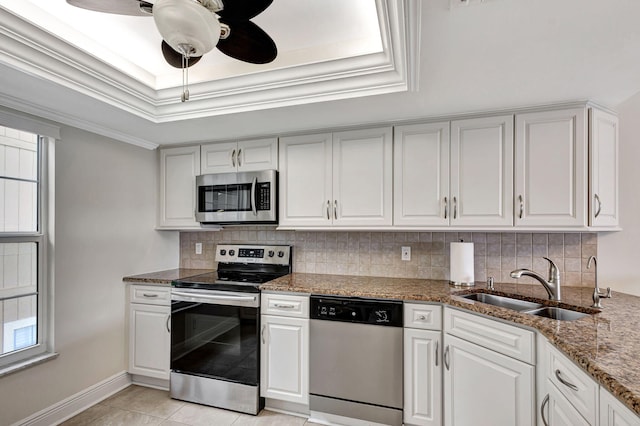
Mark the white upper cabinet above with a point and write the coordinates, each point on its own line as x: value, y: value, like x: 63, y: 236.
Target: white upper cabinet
x: 421, y: 175
x: 603, y: 163
x: 551, y: 169
x: 243, y: 156
x: 339, y: 179
x: 481, y: 190
x: 178, y: 170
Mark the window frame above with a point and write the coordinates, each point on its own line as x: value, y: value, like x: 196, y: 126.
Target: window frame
x: 43, y: 349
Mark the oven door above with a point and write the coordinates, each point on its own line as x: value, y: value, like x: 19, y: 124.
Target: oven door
x: 215, y: 335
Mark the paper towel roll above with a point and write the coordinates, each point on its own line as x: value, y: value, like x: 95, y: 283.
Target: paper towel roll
x: 461, y: 262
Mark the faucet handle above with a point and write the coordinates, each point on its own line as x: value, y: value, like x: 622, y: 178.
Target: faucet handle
x: 554, y: 272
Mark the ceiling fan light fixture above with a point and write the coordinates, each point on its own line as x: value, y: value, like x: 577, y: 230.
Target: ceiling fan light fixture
x: 187, y: 25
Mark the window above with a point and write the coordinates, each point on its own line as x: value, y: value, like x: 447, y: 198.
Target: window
x: 23, y: 303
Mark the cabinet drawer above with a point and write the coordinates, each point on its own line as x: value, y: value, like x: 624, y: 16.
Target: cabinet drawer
x: 497, y: 336
x: 286, y: 305
x: 576, y: 385
x: 427, y: 317
x: 151, y: 295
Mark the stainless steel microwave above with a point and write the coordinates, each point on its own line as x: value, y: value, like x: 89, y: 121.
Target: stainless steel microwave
x: 237, y: 198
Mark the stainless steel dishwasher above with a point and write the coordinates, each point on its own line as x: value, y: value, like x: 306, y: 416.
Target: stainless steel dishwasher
x: 355, y: 357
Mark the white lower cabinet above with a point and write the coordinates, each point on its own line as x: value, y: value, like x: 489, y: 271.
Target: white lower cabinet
x: 284, y: 348
x: 483, y: 386
x: 614, y: 413
x: 556, y: 410
x: 422, y: 365
x: 149, y: 335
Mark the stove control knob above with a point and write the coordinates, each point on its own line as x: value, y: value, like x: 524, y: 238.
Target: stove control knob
x: 223, y: 252
x: 232, y: 252
x: 271, y: 253
x: 280, y: 254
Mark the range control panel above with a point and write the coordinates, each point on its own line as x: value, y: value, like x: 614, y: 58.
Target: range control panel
x: 248, y: 253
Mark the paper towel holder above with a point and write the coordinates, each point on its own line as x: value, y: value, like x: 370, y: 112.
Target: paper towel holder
x: 461, y: 283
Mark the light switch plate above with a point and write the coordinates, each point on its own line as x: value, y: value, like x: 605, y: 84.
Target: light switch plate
x: 198, y: 248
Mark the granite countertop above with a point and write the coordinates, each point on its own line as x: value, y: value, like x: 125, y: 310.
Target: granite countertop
x: 165, y: 277
x: 606, y: 345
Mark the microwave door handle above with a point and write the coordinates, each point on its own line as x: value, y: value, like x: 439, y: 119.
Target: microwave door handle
x: 254, y: 208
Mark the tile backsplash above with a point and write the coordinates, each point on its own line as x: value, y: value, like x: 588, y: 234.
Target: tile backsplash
x: 379, y: 253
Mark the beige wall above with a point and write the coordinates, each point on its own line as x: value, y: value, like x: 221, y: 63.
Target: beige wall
x: 618, y: 251
x: 378, y: 253
x: 105, y: 212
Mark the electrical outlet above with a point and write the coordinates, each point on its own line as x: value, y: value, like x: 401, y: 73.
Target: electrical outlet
x: 406, y: 253
x: 198, y: 248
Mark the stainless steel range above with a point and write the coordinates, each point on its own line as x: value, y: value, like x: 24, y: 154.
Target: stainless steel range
x: 215, y: 327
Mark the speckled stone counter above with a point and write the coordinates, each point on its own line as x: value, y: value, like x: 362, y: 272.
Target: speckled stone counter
x: 164, y: 277
x: 606, y: 345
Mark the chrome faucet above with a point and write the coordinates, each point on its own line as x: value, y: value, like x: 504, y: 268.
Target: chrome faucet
x: 596, y: 290
x: 552, y: 285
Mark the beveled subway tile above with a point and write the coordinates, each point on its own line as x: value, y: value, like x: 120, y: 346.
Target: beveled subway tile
x: 540, y: 239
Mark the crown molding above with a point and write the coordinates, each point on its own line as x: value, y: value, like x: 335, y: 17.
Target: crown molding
x: 33, y: 50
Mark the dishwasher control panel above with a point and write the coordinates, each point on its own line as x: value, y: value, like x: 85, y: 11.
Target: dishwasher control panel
x: 357, y: 310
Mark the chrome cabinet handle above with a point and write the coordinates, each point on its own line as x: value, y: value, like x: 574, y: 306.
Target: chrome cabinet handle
x: 446, y: 207
x: 565, y: 382
x: 233, y: 158
x: 328, y: 210
x: 149, y: 295
x: 521, y: 201
x: 168, y: 323
x: 240, y: 158
x: 599, y: 205
x: 455, y: 207
x: 283, y: 306
x: 335, y: 209
x: 262, y: 333
x: 446, y: 357
x: 437, y: 352
x: 545, y: 401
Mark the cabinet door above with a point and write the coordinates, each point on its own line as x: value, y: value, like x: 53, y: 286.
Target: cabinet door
x: 149, y: 340
x: 482, y: 387
x: 557, y: 411
x: 363, y: 177
x: 305, y: 180
x: 421, y: 175
x: 284, y: 359
x: 614, y: 413
x: 422, y: 377
x: 178, y: 170
x: 219, y: 157
x: 551, y: 173
x: 258, y: 154
x: 603, y: 200
x: 482, y: 172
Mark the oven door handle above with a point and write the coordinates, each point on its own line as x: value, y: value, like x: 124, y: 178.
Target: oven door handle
x: 208, y: 298
x: 254, y: 208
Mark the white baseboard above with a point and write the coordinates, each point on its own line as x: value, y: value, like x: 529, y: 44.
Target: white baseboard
x: 150, y: 382
x: 69, y: 407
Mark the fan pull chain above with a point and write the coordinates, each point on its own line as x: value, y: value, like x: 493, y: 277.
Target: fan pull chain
x: 185, y: 78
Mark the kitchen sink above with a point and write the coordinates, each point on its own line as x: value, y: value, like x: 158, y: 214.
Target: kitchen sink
x: 503, y: 301
x: 557, y: 313
x: 527, y: 307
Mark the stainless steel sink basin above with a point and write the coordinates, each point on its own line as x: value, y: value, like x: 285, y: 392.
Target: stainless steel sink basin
x: 557, y: 313
x: 503, y: 301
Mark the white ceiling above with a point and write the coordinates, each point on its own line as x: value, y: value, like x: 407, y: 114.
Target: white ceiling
x: 439, y: 59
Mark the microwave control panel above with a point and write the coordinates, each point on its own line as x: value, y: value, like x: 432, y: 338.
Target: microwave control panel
x: 263, y: 196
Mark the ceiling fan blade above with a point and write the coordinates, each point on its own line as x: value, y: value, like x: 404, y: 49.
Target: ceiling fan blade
x: 249, y: 43
x: 174, y: 58
x: 119, y: 7
x: 243, y: 10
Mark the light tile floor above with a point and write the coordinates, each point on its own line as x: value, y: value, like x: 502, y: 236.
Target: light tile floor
x: 137, y: 405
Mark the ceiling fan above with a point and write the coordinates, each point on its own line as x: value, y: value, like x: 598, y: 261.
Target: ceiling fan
x: 191, y: 28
